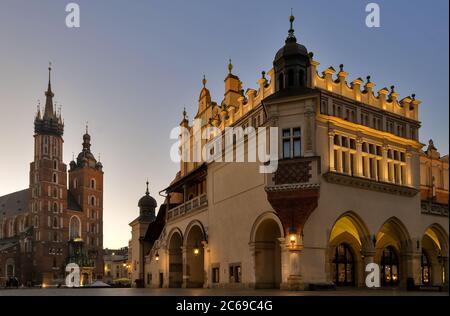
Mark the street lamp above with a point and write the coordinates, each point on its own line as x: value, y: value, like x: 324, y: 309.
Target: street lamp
x: 196, y: 249
x: 157, y: 256
x: 292, y: 236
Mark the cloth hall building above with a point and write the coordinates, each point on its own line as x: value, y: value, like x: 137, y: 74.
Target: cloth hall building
x: 58, y: 219
x: 353, y: 186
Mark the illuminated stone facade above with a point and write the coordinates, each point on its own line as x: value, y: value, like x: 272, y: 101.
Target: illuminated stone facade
x: 347, y: 192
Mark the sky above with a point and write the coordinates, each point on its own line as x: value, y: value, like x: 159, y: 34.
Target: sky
x: 132, y: 66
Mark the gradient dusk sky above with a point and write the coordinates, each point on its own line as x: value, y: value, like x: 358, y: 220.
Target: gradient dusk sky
x: 133, y: 65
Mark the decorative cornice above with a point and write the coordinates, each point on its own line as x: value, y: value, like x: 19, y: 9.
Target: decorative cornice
x: 368, y: 184
x: 430, y: 208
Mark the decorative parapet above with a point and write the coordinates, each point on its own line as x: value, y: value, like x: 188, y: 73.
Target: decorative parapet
x: 385, y: 99
x: 431, y: 208
x: 368, y: 184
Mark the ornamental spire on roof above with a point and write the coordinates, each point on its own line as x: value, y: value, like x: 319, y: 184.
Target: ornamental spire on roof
x: 49, y: 110
x: 291, y: 36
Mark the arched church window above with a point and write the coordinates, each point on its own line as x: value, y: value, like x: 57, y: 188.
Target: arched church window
x: 343, y: 266
x: 11, y: 228
x: 55, y: 164
x: 281, y: 81
x: 426, y: 268
x: 55, y: 178
x: 389, y: 267
x: 93, y: 184
x: 55, y: 222
x: 291, y: 79
x: 74, y: 228
x: 55, y: 207
x: 93, y: 200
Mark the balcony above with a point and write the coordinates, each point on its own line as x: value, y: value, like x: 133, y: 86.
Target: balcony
x: 192, y: 205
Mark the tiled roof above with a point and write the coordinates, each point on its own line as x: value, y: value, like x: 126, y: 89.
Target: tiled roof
x: 14, y: 203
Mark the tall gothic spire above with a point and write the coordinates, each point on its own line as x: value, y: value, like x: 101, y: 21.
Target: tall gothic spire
x: 50, y: 122
x: 49, y: 111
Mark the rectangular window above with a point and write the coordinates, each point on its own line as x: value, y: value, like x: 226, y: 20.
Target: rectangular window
x: 364, y: 163
x: 352, y: 164
x: 235, y: 273
x: 379, y: 169
x: 344, y: 162
x: 216, y: 275
x: 291, y: 140
x: 286, y: 143
x: 352, y: 144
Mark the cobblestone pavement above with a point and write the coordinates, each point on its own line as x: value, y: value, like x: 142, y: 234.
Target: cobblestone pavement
x: 207, y: 292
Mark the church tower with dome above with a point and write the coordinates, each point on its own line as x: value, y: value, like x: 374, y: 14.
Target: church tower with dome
x: 139, y: 227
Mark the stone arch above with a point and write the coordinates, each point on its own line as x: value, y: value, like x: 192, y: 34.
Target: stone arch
x: 190, y: 226
x: 348, y: 242
x: 260, y: 219
x: 398, y: 231
x: 175, y: 254
x: 434, y: 260
x: 393, y: 244
x: 265, y: 241
x: 360, y: 228
x: 194, y: 242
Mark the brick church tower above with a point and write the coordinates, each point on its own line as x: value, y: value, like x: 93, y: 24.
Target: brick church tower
x: 86, y: 186
x: 48, y: 187
x: 67, y: 220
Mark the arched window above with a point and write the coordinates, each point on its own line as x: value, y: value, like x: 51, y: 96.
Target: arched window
x: 55, y: 178
x: 343, y: 266
x: 301, y: 78
x: 389, y: 267
x: 11, y: 228
x: 55, y: 207
x: 74, y: 228
x: 291, y: 79
x: 426, y: 269
x: 55, y: 222
x: 280, y: 81
x: 93, y: 184
x: 93, y: 200
x: 55, y: 164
